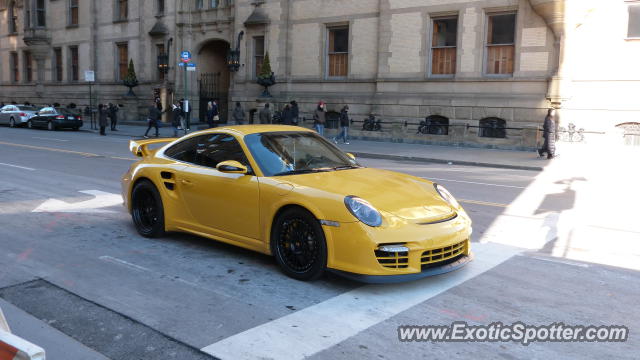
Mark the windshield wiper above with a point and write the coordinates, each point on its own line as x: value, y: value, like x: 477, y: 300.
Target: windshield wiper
x: 302, y: 171
x: 346, y: 167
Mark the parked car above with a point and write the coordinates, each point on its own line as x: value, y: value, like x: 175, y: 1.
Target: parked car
x: 16, y: 115
x: 55, y: 118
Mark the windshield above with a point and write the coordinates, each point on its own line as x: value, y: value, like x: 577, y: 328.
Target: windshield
x: 288, y: 153
x: 27, y: 108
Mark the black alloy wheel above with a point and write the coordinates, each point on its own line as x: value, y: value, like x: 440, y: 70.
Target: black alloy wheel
x: 299, y: 245
x: 147, y: 210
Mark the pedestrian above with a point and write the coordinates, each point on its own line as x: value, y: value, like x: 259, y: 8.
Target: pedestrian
x: 344, y: 126
x: 153, y: 120
x: 176, y: 116
x: 212, y: 114
x: 549, y: 134
x: 238, y: 114
x: 102, y: 118
x: 320, y: 117
x: 158, y: 104
x: 113, y: 114
x: 287, y: 115
x: 295, y: 112
x: 265, y: 115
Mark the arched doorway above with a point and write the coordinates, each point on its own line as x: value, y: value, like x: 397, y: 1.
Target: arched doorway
x: 214, y: 80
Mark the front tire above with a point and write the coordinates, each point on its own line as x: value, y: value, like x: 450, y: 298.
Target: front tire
x: 299, y: 245
x: 12, y: 122
x: 29, y: 124
x: 147, y: 210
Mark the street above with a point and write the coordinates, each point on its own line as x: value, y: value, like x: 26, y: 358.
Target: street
x: 76, y: 278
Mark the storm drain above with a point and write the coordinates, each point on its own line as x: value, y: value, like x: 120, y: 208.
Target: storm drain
x: 114, y: 335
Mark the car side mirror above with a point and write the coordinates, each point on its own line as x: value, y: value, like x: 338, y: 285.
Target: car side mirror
x: 232, y: 167
x: 351, y: 156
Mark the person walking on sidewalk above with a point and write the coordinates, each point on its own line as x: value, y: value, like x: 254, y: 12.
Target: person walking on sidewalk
x: 549, y: 134
x: 320, y: 117
x: 113, y: 114
x: 265, y: 115
x: 153, y: 120
x: 212, y: 114
x: 295, y: 112
x: 102, y: 118
x: 287, y: 115
x: 238, y: 114
x: 176, y: 117
x: 344, y: 126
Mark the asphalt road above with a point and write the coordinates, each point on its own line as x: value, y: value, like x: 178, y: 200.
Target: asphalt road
x: 84, y: 285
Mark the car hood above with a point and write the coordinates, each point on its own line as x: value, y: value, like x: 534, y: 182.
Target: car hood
x: 405, y: 196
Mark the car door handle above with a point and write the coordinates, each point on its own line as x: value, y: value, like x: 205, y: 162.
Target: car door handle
x: 186, y: 182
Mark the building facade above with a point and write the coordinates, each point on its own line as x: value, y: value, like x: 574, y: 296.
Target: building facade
x: 478, y: 73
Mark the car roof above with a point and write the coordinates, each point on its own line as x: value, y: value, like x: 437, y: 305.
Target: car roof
x: 242, y: 130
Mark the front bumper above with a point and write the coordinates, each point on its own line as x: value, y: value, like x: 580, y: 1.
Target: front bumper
x: 389, y: 279
x: 354, y: 249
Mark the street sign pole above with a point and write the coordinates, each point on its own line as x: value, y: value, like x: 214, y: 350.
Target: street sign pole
x: 90, y: 77
x: 185, y: 56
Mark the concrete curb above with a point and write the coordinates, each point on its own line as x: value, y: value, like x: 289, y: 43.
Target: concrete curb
x: 442, y: 161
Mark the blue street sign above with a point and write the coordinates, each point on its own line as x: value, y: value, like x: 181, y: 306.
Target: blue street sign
x: 185, y: 56
x: 181, y: 64
x: 191, y: 65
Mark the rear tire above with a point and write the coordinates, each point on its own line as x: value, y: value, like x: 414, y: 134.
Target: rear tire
x: 147, y: 210
x: 299, y: 245
x: 51, y: 126
x: 12, y: 123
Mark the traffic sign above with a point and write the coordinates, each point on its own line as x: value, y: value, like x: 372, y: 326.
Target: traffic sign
x: 185, y: 56
x: 89, y: 76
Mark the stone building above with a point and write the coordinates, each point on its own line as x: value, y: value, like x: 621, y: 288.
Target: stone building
x: 479, y: 73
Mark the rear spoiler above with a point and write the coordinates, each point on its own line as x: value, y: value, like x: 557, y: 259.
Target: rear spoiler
x: 139, y: 147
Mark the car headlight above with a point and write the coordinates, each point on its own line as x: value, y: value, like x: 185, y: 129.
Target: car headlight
x: 363, y: 211
x: 446, y: 195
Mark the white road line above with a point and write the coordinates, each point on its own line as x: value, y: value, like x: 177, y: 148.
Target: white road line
x: 51, y: 139
x: 122, y: 262
x: 555, y: 260
x: 475, y: 183
x: 18, y: 167
x: 313, y: 329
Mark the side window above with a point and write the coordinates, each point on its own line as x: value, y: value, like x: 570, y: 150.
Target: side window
x: 185, y: 150
x: 217, y: 148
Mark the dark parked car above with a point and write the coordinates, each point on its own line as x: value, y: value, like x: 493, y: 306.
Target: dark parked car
x: 55, y: 118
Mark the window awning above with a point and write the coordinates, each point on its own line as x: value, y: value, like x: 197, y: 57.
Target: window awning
x: 159, y: 29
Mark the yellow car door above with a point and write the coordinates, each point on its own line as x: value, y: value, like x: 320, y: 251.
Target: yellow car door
x: 223, y: 204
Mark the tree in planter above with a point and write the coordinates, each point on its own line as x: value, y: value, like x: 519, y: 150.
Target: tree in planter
x: 131, y: 80
x: 266, y: 77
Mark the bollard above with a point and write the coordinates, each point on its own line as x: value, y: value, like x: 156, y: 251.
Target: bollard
x: 15, y: 348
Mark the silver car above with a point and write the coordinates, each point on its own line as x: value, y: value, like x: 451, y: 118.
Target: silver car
x: 16, y: 115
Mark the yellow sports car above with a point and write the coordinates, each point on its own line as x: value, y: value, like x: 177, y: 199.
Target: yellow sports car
x: 288, y: 192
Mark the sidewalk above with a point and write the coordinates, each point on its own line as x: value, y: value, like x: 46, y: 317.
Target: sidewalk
x: 507, y: 159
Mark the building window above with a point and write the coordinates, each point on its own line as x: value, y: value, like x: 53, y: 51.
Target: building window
x: 122, y: 9
x: 435, y: 125
x: 258, y: 54
x: 41, y: 13
x: 214, y: 4
x: 501, y: 44
x: 634, y: 21
x: 160, y: 8
x: 15, y: 68
x: 338, y: 52
x: 75, y: 63
x: 159, y: 52
x: 443, y: 46
x: 57, y: 64
x: 28, y: 66
x: 199, y: 4
x: 123, y: 60
x: 493, y: 128
x: 73, y: 12
x: 13, y: 19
